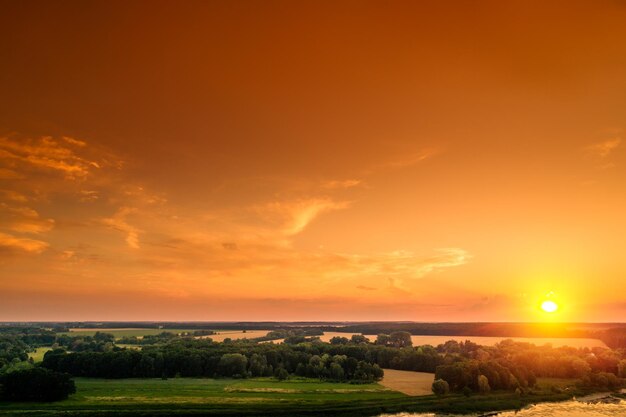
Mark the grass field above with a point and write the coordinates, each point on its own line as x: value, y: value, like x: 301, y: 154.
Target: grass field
x: 256, y: 397
x: 208, y: 391
x: 191, y: 393
x: 37, y: 355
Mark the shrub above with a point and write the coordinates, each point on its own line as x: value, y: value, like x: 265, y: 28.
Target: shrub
x: 440, y: 387
x: 281, y: 374
x: 36, y: 384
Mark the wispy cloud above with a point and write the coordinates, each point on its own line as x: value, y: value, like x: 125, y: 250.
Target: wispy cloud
x: 13, y: 243
x: 292, y: 217
x: 119, y: 222
x: 23, y: 220
x: 341, y: 184
x: 605, y: 148
x: 48, y: 154
x: 410, y: 159
x: 120, y: 227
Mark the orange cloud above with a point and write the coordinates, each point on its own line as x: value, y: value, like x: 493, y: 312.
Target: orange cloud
x: 46, y: 153
x: 339, y: 184
x: 119, y: 222
x: 605, y: 148
x: 9, y: 242
x: 24, y: 220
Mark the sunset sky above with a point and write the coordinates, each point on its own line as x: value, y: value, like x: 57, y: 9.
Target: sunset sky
x: 312, y: 160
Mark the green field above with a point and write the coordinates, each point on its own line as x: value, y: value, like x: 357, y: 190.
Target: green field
x: 37, y: 355
x: 259, y: 396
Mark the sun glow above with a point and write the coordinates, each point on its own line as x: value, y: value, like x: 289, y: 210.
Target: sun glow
x: 549, y: 306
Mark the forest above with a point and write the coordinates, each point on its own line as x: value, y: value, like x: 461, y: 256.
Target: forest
x: 463, y: 366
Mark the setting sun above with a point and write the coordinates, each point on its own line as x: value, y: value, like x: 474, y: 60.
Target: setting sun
x: 549, y: 306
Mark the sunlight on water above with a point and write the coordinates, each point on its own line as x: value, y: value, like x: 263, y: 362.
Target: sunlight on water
x: 564, y: 409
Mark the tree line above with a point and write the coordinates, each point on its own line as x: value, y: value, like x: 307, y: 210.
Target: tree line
x: 202, y: 358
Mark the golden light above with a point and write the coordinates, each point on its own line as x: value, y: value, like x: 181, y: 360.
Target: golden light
x: 549, y: 306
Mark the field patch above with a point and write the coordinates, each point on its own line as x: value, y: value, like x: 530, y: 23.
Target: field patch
x: 234, y: 334
x: 37, y: 355
x: 135, y: 392
x: 124, y: 332
x: 408, y: 382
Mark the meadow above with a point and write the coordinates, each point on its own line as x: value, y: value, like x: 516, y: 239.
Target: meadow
x: 259, y: 396
x: 37, y: 355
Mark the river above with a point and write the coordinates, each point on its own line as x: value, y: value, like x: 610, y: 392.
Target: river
x: 562, y: 409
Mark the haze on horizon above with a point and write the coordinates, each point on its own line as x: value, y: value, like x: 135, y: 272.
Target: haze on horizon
x: 312, y: 160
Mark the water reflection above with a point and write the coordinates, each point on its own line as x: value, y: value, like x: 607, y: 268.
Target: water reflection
x: 564, y: 409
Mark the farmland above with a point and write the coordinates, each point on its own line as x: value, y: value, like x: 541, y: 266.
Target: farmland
x: 118, y: 333
x: 188, y: 375
x: 122, y: 332
x: 220, y: 335
x: 408, y: 382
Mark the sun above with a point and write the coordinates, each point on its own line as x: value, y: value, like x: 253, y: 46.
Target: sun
x: 549, y: 306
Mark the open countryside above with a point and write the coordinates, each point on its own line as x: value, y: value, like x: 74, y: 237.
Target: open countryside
x: 313, y: 208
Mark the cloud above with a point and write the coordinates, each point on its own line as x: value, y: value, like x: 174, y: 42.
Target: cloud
x: 10, y: 242
x: 46, y: 153
x: 365, y: 288
x: 605, y: 148
x: 9, y: 174
x: 11, y: 195
x: 118, y: 222
x: 186, y: 249
x: 23, y: 220
x: 292, y: 217
x: 410, y: 159
x: 407, y: 264
x: 75, y: 142
x: 339, y: 184
x: 89, y: 195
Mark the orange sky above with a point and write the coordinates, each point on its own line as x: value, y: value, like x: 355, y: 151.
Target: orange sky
x: 312, y: 160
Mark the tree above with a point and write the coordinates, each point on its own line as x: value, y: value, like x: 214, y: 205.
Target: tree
x: 400, y: 339
x: 359, y: 338
x: 338, y: 340
x: 103, y: 337
x: 621, y: 368
x: 281, y: 374
x: 36, y: 384
x: 580, y: 368
x: 383, y: 339
x: 440, y: 387
x: 336, y: 372
x: 233, y: 365
x: 483, y: 384
x: 258, y: 365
